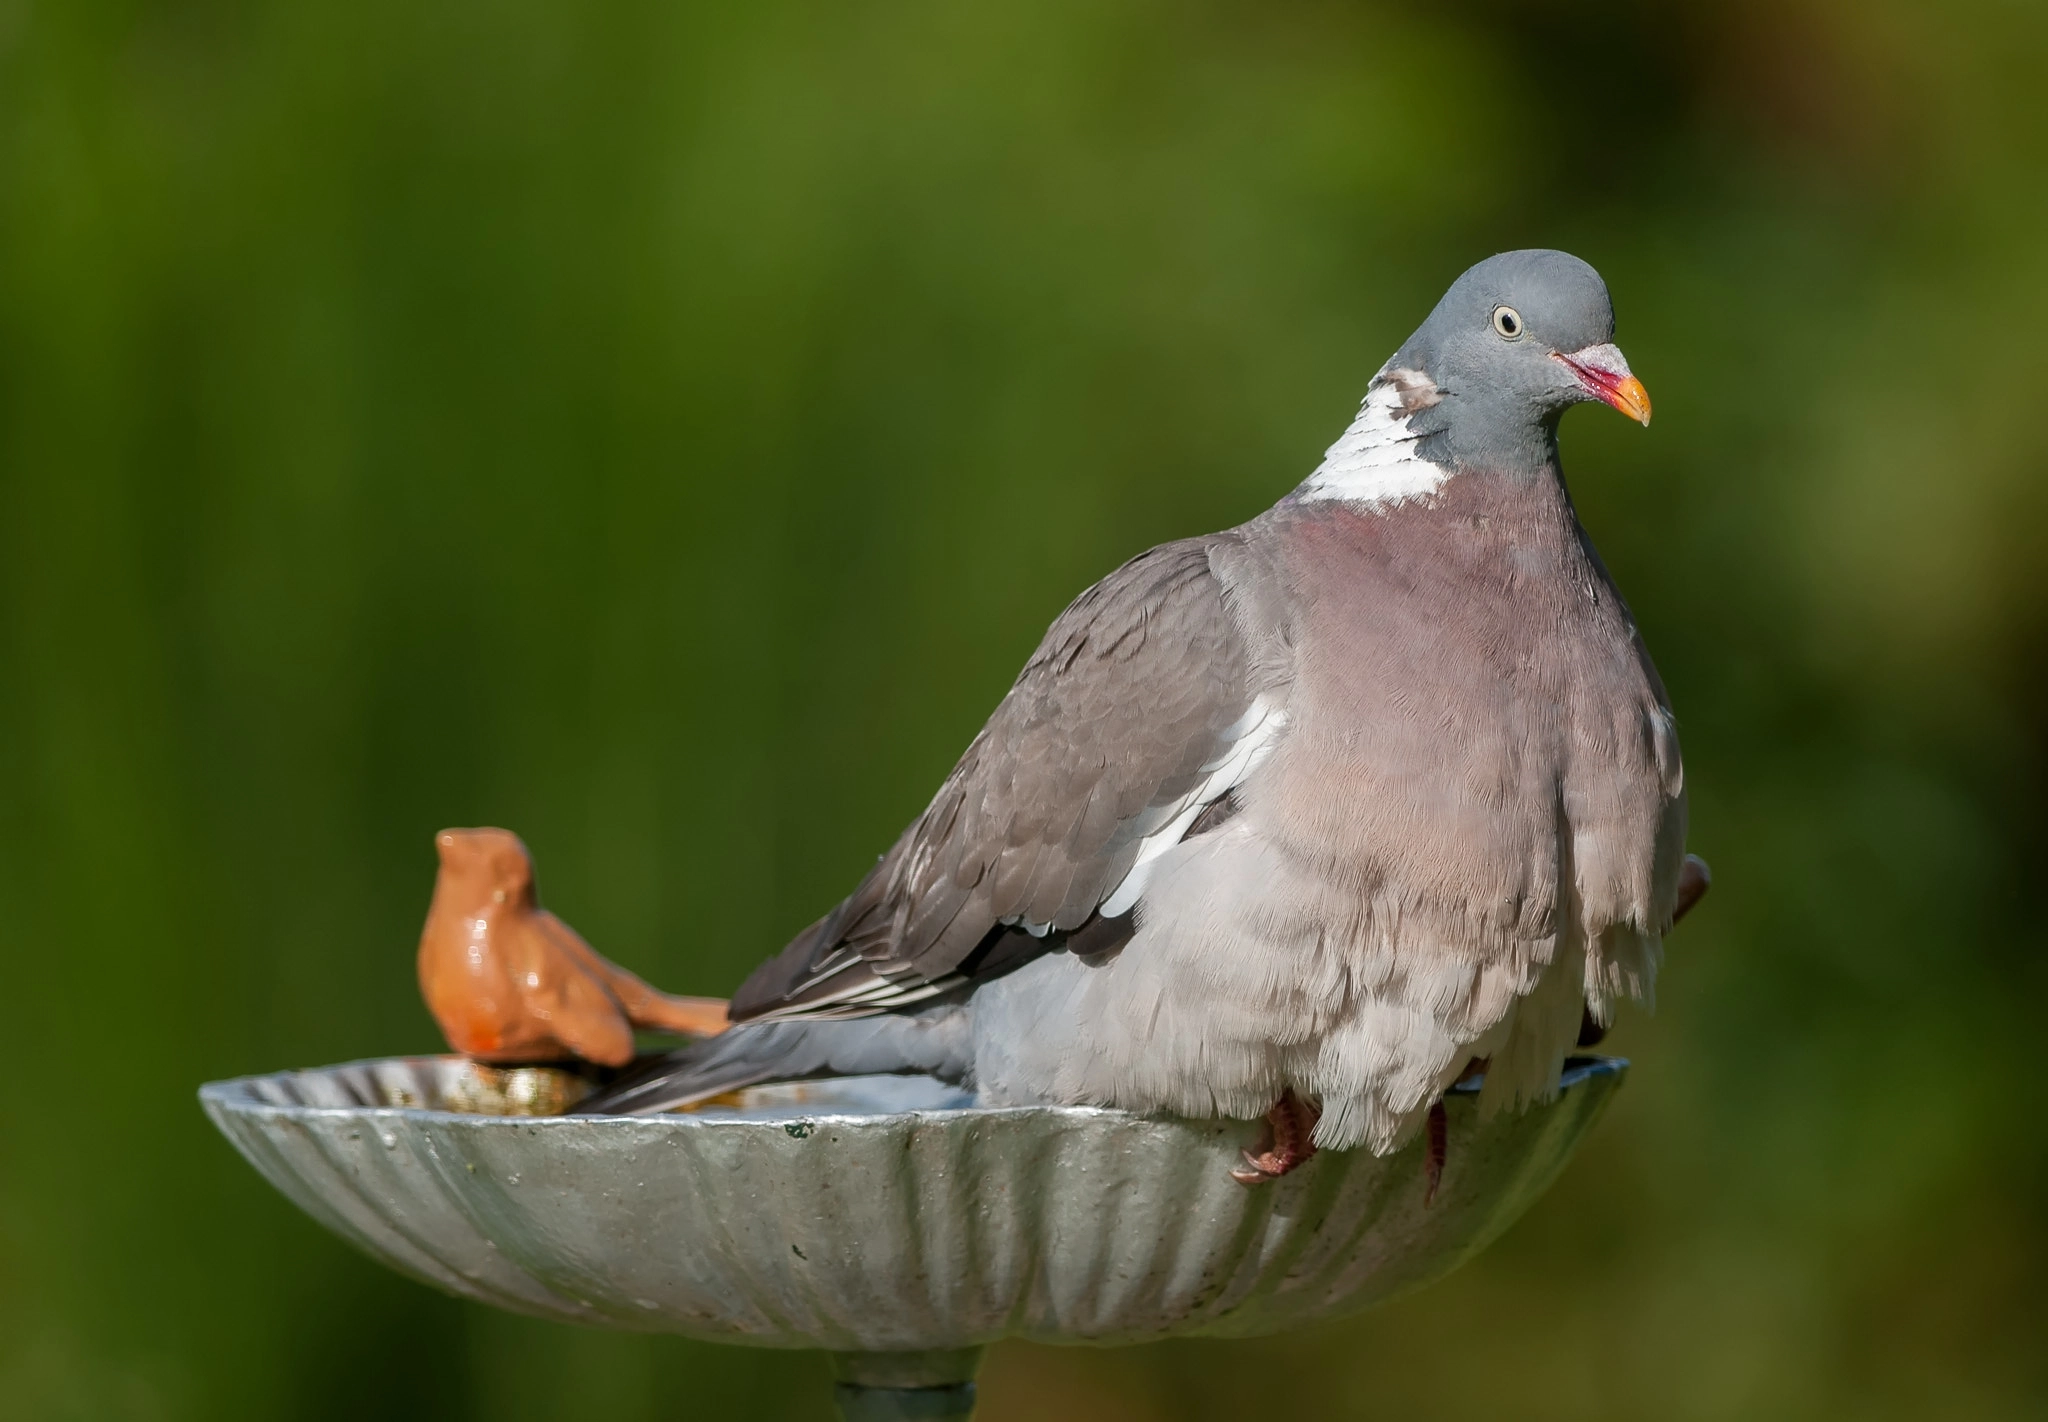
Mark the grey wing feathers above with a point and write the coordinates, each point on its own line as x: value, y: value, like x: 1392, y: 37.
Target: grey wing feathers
x: 1127, y: 700
x: 934, y: 1042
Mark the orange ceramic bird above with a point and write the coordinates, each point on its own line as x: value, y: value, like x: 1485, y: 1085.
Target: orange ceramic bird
x: 510, y: 982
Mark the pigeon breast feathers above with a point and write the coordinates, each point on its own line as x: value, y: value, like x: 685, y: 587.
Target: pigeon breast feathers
x: 1134, y: 715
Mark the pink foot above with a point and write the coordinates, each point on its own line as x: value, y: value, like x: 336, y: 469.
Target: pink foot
x: 1439, y: 1147
x: 1287, y: 1140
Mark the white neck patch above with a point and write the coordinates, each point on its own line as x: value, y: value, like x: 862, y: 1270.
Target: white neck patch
x: 1374, y: 462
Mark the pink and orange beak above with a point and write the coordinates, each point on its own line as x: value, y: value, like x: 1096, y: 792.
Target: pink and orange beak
x: 1602, y: 371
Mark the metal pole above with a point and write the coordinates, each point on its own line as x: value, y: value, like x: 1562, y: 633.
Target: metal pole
x: 898, y: 1387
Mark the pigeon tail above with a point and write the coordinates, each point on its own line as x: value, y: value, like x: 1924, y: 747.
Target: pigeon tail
x: 935, y: 1042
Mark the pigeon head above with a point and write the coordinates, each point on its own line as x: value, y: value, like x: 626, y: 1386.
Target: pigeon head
x: 1516, y: 341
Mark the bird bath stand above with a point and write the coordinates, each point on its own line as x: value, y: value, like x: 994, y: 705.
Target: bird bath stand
x: 888, y: 1220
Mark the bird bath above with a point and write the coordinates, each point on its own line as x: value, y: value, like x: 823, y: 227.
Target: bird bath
x: 889, y: 1220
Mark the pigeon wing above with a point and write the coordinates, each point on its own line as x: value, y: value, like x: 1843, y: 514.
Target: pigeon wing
x: 1132, y: 718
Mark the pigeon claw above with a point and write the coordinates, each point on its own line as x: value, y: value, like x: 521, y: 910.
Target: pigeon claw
x: 1438, y: 1149
x: 1285, y: 1140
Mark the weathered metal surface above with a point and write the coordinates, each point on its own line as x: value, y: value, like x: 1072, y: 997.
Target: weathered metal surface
x: 881, y: 1214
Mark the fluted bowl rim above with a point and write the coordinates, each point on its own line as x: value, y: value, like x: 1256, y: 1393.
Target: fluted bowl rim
x: 922, y: 1221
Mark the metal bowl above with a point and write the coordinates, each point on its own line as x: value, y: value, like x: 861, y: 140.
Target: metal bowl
x: 877, y: 1214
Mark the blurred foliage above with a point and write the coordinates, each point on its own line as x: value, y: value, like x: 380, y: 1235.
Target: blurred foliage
x: 664, y: 430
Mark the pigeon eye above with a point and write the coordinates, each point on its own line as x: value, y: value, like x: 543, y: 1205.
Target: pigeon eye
x: 1507, y: 321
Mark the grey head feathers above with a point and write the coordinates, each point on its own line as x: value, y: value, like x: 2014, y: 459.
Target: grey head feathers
x: 1492, y: 348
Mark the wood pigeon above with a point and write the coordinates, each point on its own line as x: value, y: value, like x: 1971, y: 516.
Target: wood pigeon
x: 1306, y: 819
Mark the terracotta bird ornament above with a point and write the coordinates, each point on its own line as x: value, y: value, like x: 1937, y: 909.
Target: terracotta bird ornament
x: 509, y: 982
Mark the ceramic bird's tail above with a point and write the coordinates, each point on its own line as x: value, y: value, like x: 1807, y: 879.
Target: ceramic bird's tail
x: 935, y: 1042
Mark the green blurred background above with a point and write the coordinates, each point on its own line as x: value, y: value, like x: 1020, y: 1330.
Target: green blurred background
x: 664, y: 430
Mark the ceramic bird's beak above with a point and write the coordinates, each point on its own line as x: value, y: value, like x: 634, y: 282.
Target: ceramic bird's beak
x: 1602, y: 371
